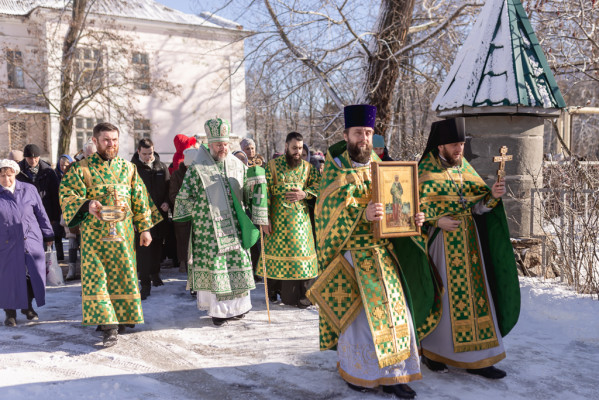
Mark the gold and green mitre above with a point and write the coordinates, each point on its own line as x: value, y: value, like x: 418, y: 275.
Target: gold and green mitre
x: 217, y: 130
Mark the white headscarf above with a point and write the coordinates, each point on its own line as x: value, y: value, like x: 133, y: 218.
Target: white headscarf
x: 6, y: 163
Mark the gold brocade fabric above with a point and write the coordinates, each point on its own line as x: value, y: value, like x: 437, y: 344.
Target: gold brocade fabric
x: 289, y: 249
x: 453, y: 192
x: 110, y: 293
x: 373, y: 281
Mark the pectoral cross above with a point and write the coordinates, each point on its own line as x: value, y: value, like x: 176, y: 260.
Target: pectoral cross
x: 501, y: 159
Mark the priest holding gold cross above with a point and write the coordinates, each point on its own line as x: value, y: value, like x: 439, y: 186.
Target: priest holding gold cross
x: 470, y: 253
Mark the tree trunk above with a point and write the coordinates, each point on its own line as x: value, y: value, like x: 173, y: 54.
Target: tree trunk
x: 67, y: 92
x: 383, y: 66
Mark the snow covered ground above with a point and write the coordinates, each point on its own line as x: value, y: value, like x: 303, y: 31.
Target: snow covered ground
x: 552, y: 353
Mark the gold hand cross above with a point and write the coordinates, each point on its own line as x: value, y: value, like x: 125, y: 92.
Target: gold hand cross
x: 501, y: 159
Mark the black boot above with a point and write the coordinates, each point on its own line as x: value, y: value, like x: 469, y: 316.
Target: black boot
x: 401, y: 390
x: 434, y: 366
x: 240, y: 316
x: 29, y: 312
x: 488, y: 372
x: 219, y: 321
x: 303, y: 303
x: 359, y: 388
x: 110, y: 337
x: 156, y: 281
x: 11, y: 318
x: 121, y: 328
x: 145, y: 290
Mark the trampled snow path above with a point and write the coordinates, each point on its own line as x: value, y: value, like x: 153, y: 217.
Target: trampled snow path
x: 552, y: 353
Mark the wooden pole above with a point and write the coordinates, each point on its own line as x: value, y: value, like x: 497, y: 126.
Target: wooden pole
x: 264, y: 273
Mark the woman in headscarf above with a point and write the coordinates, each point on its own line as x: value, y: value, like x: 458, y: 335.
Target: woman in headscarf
x: 25, y: 228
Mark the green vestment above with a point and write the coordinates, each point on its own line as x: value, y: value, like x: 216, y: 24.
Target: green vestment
x: 110, y: 293
x: 289, y: 249
x: 453, y: 192
x: 373, y: 280
x: 219, y: 263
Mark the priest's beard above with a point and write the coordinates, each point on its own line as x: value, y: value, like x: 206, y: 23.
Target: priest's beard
x: 108, y: 153
x: 293, y: 160
x: 219, y: 155
x: 359, y: 154
x: 453, y: 160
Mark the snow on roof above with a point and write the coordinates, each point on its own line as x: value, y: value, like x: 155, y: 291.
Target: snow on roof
x: 500, y: 64
x: 138, y: 9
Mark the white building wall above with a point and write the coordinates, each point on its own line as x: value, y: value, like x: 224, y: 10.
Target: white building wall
x: 199, y: 60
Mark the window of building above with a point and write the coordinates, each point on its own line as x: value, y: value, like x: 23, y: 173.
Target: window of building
x: 141, y: 66
x: 141, y: 129
x: 84, y: 129
x: 17, y: 135
x: 14, y: 66
x: 89, y: 68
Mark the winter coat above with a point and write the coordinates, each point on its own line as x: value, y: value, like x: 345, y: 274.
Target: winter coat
x: 182, y: 229
x: 46, y: 183
x: 156, y: 178
x: 24, y: 227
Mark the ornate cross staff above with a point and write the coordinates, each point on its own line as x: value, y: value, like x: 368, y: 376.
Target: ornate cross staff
x: 501, y: 159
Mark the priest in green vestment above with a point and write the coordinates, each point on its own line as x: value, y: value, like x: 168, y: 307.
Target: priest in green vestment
x: 365, y: 308
x: 289, y: 253
x: 110, y: 293
x: 468, y: 244
x: 215, y: 191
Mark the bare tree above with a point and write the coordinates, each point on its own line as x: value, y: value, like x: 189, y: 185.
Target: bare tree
x: 70, y: 72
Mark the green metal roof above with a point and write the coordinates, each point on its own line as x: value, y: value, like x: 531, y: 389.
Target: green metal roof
x: 501, y: 64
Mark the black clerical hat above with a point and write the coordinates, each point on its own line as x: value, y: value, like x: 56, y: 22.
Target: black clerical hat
x: 359, y: 115
x: 446, y: 131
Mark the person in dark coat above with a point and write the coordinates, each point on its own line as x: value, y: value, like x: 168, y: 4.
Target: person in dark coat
x: 41, y: 175
x: 25, y: 228
x: 156, y: 177
x: 62, y: 166
x: 182, y: 229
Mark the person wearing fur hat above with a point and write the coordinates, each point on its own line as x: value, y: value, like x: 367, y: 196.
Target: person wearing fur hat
x: 25, y: 229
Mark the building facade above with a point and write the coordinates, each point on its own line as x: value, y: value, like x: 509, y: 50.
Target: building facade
x: 161, y: 73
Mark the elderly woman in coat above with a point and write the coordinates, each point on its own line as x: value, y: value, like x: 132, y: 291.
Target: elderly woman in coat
x: 24, y: 227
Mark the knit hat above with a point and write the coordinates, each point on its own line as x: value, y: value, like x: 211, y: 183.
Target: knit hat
x: 32, y: 150
x: 217, y: 130
x: 378, y: 141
